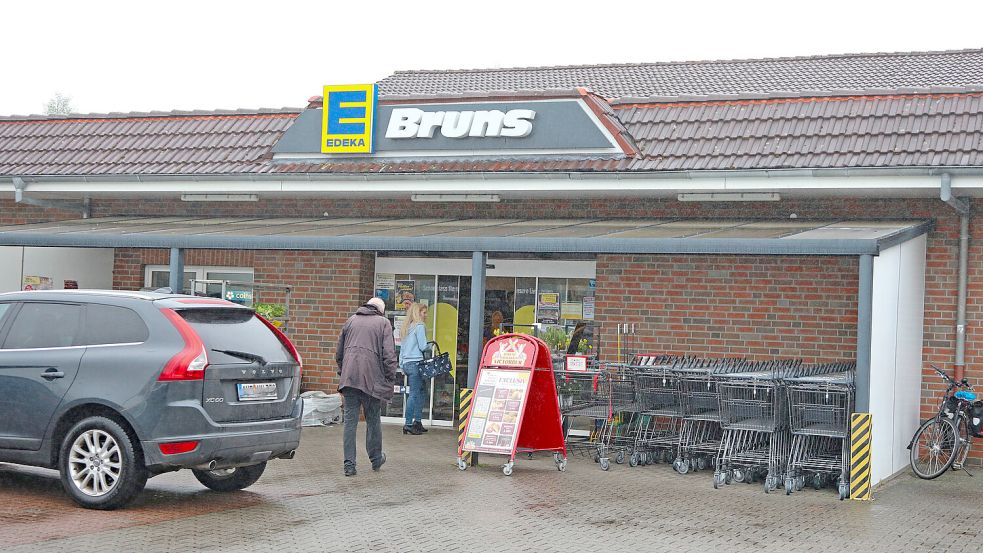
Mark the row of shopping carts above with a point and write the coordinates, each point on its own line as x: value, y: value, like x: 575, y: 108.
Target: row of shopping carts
x: 778, y: 421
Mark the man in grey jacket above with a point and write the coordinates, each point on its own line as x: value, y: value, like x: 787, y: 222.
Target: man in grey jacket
x: 367, y: 364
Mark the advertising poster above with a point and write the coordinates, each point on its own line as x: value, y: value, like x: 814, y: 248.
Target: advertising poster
x: 548, y: 308
x: 573, y: 310
x: 589, y: 308
x: 405, y: 294
x: 37, y: 283
x: 397, y: 328
x: 497, y: 413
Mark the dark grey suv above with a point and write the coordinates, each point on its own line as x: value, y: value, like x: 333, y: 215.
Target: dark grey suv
x: 111, y: 388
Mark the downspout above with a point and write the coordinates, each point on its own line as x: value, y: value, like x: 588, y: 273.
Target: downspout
x: 963, y: 207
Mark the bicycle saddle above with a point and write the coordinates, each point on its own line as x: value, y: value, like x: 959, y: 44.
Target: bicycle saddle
x: 966, y: 395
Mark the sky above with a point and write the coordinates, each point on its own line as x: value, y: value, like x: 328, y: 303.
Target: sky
x: 124, y: 56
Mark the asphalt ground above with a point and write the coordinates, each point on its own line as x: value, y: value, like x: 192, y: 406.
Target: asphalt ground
x: 420, y: 501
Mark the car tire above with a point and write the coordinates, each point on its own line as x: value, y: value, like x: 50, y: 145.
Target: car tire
x: 100, y: 467
x: 230, y: 480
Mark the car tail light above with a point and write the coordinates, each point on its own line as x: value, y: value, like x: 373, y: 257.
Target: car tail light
x: 283, y: 340
x: 190, y: 362
x: 173, y: 448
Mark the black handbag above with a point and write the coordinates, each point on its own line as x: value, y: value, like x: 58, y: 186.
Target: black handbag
x: 435, y: 365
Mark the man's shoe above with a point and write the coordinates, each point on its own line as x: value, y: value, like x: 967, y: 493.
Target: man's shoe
x: 411, y: 430
x: 382, y: 461
x: 419, y: 427
x: 350, y: 470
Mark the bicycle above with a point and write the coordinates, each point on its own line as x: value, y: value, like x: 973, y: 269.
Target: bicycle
x: 944, y: 441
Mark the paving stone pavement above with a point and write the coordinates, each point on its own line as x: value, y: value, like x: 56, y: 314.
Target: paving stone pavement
x: 421, y: 502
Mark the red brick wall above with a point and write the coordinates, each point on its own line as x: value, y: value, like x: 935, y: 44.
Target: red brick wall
x: 759, y: 307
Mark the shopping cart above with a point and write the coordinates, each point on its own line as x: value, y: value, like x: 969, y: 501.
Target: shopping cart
x: 700, y: 434
x: 756, y: 440
x: 657, y: 398
x: 820, y: 407
x: 606, y: 398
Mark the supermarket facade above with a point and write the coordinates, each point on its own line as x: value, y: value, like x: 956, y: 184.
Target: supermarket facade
x: 802, y: 208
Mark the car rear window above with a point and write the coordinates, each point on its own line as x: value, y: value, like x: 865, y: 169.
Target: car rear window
x: 235, y: 330
x: 44, y: 325
x: 109, y: 324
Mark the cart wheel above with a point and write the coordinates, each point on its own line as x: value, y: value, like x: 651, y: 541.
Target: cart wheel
x: 561, y: 464
x: 817, y: 481
x: 620, y: 457
x: 681, y: 466
x: 718, y: 480
x: 739, y: 475
x: 669, y: 455
x: 844, y: 491
x: 507, y: 469
x: 529, y: 455
x: 701, y: 463
x: 789, y: 486
x: 634, y: 460
x: 800, y: 483
x: 596, y: 457
x: 651, y: 458
x: 771, y: 484
x: 461, y: 465
x: 605, y: 463
x: 728, y: 476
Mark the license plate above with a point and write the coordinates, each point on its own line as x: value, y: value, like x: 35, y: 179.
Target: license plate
x: 256, y: 391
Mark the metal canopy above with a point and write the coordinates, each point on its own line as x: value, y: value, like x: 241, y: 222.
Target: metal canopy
x: 694, y: 236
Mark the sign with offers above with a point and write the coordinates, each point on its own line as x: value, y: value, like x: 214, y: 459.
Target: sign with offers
x: 496, y: 417
x: 37, y: 283
x: 512, y: 351
x: 348, y: 117
x: 548, y: 308
x: 589, y: 308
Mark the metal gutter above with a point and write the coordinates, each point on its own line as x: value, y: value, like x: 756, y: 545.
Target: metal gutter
x: 760, y: 246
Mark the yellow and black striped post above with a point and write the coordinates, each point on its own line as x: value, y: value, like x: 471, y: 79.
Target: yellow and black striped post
x: 463, y: 410
x: 861, y: 427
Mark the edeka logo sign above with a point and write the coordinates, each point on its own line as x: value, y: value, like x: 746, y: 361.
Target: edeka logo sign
x: 416, y: 123
x: 349, y: 111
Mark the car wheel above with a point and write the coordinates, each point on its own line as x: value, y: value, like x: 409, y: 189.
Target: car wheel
x: 231, y: 479
x: 99, y: 466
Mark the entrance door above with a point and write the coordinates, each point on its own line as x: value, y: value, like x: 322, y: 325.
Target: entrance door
x: 510, y: 306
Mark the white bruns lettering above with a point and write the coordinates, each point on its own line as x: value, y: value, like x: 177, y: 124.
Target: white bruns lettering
x: 456, y: 124
x: 518, y: 123
x: 416, y: 123
x: 430, y: 121
x: 404, y: 123
x: 487, y: 123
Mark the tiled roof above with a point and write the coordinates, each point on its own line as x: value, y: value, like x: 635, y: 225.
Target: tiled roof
x: 848, y: 72
x: 797, y: 133
x: 224, y: 142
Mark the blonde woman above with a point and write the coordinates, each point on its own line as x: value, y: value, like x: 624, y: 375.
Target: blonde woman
x: 413, y: 343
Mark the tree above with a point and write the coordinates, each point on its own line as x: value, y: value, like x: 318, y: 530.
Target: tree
x: 59, y: 105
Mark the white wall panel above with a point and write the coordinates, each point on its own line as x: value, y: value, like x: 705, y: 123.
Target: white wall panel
x: 11, y: 258
x: 91, y: 267
x: 908, y: 382
x: 883, y: 354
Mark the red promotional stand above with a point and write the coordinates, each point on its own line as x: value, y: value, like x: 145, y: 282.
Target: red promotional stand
x: 515, y: 407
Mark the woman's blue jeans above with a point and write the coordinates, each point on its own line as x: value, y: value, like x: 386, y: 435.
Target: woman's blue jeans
x: 418, y: 392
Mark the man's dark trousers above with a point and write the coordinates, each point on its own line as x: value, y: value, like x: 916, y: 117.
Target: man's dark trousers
x: 372, y: 409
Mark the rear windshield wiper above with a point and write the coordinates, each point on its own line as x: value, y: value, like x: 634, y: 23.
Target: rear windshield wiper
x: 243, y: 355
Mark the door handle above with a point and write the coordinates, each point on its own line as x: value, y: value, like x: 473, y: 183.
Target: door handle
x: 52, y: 374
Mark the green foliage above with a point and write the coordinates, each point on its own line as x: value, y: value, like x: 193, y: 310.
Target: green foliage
x: 270, y: 311
x: 555, y: 337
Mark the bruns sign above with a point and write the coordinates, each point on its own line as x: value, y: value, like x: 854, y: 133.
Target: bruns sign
x: 416, y: 123
x: 348, y: 116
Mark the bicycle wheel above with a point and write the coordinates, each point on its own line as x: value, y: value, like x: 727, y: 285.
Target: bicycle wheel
x: 934, y: 448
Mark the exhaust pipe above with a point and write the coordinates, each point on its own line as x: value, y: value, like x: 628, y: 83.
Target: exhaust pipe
x: 208, y: 466
x: 288, y: 455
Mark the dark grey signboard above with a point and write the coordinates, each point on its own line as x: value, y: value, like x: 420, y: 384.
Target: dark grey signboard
x: 550, y: 126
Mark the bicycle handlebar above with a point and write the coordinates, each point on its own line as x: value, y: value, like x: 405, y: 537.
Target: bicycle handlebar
x: 950, y: 380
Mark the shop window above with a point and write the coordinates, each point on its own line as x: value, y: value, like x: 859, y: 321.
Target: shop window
x: 236, y: 281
